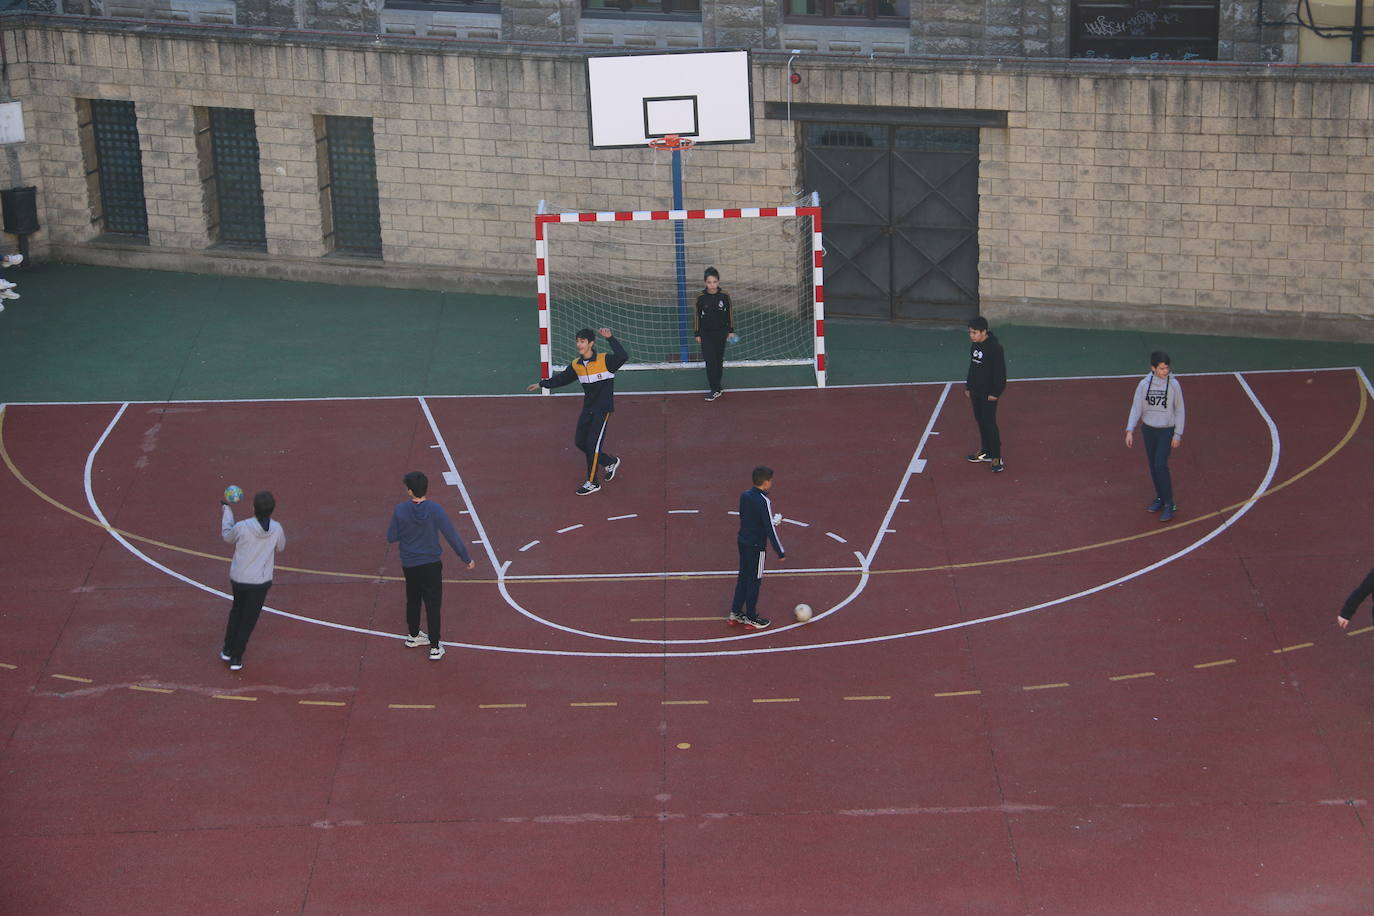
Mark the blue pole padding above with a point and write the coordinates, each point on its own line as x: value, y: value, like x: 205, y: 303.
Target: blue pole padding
x: 684, y: 323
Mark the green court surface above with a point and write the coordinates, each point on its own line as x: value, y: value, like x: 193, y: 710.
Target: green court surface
x: 94, y: 333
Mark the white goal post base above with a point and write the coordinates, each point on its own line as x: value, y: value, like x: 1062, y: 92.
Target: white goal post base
x: 615, y: 277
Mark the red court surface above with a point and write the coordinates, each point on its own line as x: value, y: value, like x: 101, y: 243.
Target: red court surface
x: 1022, y: 693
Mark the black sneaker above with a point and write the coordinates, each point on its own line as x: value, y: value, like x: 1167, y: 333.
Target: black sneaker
x: 977, y: 457
x: 1155, y: 506
x: 713, y: 395
x: 735, y: 618
x: 997, y: 466
x: 1168, y: 514
x: 224, y: 655
x: 235, y: 664
x: 588, y: 488
x: 756, y: 623
x: 610, y: 470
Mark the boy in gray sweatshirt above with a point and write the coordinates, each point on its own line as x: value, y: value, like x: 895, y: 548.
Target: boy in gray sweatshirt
x: 1158, y: 404
x: 257, y: 541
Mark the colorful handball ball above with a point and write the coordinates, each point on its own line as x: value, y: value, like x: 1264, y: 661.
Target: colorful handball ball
x: 803, y: 612
x: 233, y: 493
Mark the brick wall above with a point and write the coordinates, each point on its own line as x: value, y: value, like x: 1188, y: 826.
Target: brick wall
x: 1169, y: 190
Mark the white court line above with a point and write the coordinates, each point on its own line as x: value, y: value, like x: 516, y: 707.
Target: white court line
x: 684, y: 574
x: 911, y: 468
x: 616, y: 518
x: 528, y: 546
x: 100, y: 516
x: 762, y: 650
x: 684, y: 511
x: 831, y: 534
x: 450, y: 397
x: 462, y: 488
x: 569, y: 528
x: 791, y: 521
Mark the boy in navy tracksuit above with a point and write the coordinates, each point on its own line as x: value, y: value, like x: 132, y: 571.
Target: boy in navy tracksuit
x: 596, y: 371
x: 756, y: 532
x: 417, y: 524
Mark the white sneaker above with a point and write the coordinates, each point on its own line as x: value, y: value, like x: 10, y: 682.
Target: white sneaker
x: 436, y: 653
x: 11, y: 260
x: 5, y: 284
x: 418, y: 640
x: 8, y: 294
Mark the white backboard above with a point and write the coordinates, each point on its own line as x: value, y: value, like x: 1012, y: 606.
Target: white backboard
x: 705, y: 95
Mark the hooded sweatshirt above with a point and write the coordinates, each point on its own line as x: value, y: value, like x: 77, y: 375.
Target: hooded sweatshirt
x: 255, y: 547
x: 987, y: 368
x: 1159, y: 404
x: 417, y: 525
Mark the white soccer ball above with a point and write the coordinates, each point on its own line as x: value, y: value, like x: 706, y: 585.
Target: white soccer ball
x: 803, y: 612
x: 777, y: 519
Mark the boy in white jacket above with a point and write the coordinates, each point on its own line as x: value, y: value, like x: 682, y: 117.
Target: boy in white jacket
x: 257, y: 541
x: 1158, y: 405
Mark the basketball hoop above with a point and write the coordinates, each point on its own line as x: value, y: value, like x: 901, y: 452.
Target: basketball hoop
x: 672, y: 143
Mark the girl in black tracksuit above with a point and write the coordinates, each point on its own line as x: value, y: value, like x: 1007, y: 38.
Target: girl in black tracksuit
x: 715, y: 324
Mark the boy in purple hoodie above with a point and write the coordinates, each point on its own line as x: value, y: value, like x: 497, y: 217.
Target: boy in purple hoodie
x: 417, y: 524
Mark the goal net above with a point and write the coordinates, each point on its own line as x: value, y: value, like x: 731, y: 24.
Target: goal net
x: 639, y: 273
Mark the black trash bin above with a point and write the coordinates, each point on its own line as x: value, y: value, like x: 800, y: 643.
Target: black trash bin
x: 20, y: 208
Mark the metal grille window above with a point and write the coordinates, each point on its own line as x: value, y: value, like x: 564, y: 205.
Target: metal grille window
x: 1144, y: 29
x: 638, y: 9
x: 114, y: 166
x: 231, y: 176
x: 348, y: 185
x: 880, y: 11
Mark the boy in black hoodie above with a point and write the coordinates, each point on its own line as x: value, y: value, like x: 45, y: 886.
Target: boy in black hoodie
x: 987, y: 379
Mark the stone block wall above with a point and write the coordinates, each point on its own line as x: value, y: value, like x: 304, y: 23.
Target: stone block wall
x: 1183, y: 190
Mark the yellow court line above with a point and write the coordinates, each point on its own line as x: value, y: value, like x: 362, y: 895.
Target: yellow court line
x: 959, y: 693
x: 778, y: 700
x: 1131, y: 677
x: 593, y: 704
x: 410, y: 706
x: 869, y: 698
x: 151, y: 689
x: 8, y: 666
x: 671, y: 619
x: 684, y: 702
x: 1224, y: 661
x: 500, y: 705
x: 1350, y: 633
x: 72, y: 677
x: 231, y: 696
x: 320, y: 703
x: 1301, y: 645
x: 1045, y: 686
x: 1331, y: 453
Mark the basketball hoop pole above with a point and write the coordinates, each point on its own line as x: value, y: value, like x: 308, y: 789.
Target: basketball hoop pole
x: 680, y: 252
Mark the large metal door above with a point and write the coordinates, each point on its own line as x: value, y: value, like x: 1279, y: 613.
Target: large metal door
x: 901, y: 218
x: 238, y: 177
x: 119, y: 165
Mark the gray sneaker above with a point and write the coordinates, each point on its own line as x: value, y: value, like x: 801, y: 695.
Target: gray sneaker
x: 436, y: 653
x: 610, y: 470
x: 735, y: 618
x: 418, y: 640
